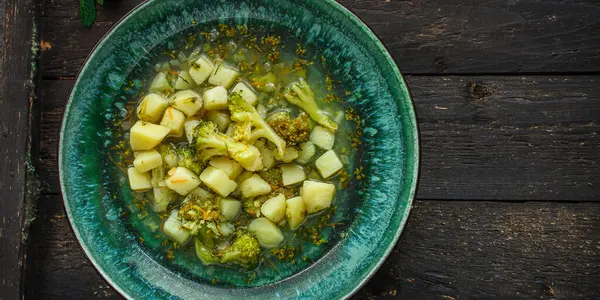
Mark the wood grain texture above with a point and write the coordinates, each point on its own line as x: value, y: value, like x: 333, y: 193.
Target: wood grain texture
x: 15, y: 141
x: 482, y: 138
x: 449, y: 250
x: 423, y: 36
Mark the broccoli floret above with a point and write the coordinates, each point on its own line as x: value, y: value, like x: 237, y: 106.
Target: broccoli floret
x: 210, y: 142
x: 252, y: 124
x: 244, y: 250
x: 196, y: 215
x: 300, y: 94
x: 205, y: 242
x: 293, y: 131
x: 188, y: 159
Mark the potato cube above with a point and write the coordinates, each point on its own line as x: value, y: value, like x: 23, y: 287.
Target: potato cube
x: 245, y: 175
x: 328, y: 164
x: 292, y: 174
x: 230, y: 208
x: 147, y: 160
x: 187, y: 101
x: 226, y: 228
x: 152, y: 107
x: 317, y: 195
x: 306, y: 152
x: 245, y: 92
x: 189, y: 127
x: 160, y: 84
x: 145, y: 136
x: 201, y: 69
x: 139, y: 181
x: 215, y: 98
x: 221, y: 118
x: 295, y: 212
x: 218, y: 181
x: 268, y: 234
x: 224, y: 75
x: 173, y: 229
x: 173, y: 119
x: 231, y: 167
x: 274, y: 208
x: 162, y: 197
x: 290, y: 154
x: 322, y: 137
x: 182, y: 180
x: 254, y: 186
x: 183, y: 81
x: 169, y: 156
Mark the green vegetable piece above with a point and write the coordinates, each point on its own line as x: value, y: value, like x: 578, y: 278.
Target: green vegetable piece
x: 87, y: 12
x: 243, y: 251
x: 300, y: 94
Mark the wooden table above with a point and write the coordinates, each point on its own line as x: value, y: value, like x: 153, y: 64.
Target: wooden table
x: 507, y: 94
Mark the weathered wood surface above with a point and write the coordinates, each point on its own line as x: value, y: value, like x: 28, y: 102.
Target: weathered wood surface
x: 449, y: 250
x: 17, y: 122
x: 482, y: 138
x: 424, y: 36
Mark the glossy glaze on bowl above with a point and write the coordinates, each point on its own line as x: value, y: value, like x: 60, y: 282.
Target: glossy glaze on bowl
x: 389, y: 153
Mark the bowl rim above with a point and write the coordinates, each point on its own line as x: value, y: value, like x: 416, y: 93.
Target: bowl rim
x: 410, y: 115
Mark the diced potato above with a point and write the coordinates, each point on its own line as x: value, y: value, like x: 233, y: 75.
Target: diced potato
x: 268, y: 234
x: 290, y: 154
x: 162, y: 197
x: 221, y: 118
x: 245, y: 92
x: 187, y: 101
x: 139, y: 181
x: 230, y: 208
x: 306, y: 152
x: 160, y: 84
x: 226, y: 228
x: 147, y: 160
x: 295, y: 212
x: 201, y: 69
x: 145, y: 136
x: 268, y: 155
x: 199, y: 194
x: 173, y: 119
x: 322, y: 137
x: 292, y: 174
x: 317, y: 195
x: 224, y: 75
x: 158, y: 177
x: 169, y: 155
x: 184, y: 81
x: 173, y: 229
x: 189, y: 126
x: 152, y: 107
x: 215, y: 98
x: 254, y: 186
x: 328, y: 164
x: 182, y: 180
x: 231, y: 167
x: 218, y: 181
x: 274, y: 208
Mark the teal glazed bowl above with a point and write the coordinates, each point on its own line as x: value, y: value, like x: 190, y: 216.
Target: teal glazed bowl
x: 96, y: 195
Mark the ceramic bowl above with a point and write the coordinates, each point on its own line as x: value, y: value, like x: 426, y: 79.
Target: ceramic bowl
x: 98, y: 200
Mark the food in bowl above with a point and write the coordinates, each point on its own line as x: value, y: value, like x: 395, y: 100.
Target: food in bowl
x: 235, y: 142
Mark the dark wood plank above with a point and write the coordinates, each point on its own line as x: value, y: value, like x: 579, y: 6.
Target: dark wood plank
x: 482, y: 138
x: 441, y: 36
x: 17, y: 108
x: 449, y: 250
